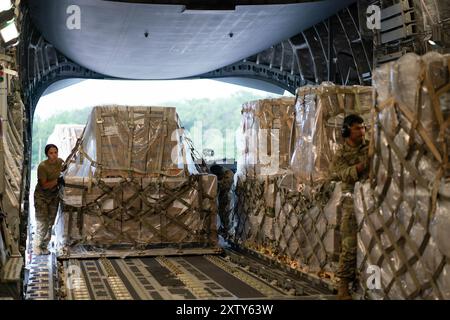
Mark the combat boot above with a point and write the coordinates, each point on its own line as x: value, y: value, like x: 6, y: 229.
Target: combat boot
x: 343, y: 292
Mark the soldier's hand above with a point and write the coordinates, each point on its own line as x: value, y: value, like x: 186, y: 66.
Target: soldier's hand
x: 363, y: 166
x: 360, y: 167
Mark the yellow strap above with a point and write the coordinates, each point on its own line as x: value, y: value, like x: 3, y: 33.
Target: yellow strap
x: 434, y: 99
x: 75, y: 148
x: 341, y: 101
x: 357, y: 103
x: 443, y: 90
x: 93, y: 162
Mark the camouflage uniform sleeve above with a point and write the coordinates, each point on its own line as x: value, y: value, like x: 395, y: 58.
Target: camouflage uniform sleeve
x: 41, y: 174
x: 342, y: 171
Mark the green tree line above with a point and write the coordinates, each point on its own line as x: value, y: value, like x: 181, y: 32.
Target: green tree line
x: 209, y: 122
x: 42, y: 129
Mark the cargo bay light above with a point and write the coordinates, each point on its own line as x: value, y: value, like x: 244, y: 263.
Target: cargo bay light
x: 286, y: 235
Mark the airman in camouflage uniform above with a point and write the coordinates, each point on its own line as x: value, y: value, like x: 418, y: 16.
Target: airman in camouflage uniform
x: 350, y: 164
x: 225, y: 179
x: 46, y: 198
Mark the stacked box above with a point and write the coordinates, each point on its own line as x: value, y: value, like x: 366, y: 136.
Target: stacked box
x: 266, y: 127
x: 123, y: 141
x: 295, y: 215
x: 319, y: 113
x: 403, y: 212
x: 132, y: 185
x: 299, y: 228
x: 284, y: 214
x: 138, y: 214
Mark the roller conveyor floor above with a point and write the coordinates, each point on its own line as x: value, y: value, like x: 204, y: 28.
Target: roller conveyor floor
x: 233, y: 276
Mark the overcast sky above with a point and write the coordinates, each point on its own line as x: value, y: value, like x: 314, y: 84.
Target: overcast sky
x: 98, y: 92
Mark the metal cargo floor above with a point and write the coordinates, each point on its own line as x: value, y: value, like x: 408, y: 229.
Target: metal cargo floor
x: 150, y: 278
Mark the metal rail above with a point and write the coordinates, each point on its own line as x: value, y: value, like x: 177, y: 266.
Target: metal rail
x: 234, y: 276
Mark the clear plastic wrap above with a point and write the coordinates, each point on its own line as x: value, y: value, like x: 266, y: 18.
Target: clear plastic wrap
x: 298, y: 228
x: 319, y: 113
x: 133, y: 183
x: 266, y: 128
x: 138, y: 141
x: 440, y: 226
x: 12, y: 157
x: 274, y: 214
x: 137, y: 214
x: 407, y: 232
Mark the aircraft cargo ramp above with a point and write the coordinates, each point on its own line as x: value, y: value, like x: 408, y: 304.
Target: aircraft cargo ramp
x: 235, y: 275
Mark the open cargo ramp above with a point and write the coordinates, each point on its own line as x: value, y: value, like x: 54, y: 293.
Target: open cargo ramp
x: 233, y: 276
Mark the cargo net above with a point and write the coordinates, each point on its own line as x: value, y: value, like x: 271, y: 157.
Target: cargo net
x: 319, y: 114
x: 12, y: 156
x: 293, y: 214
x: 266, y: 128
x: 295, y: 228
x: 139, y: 215
x: 403, y: 211
x: 134, y: 185
x: 128, y: 142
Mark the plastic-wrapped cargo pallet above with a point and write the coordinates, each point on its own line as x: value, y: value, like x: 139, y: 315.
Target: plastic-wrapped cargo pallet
x: 295, y: 219
x: 125, y: 141
x: 403, y: 212
x: 65, y: 137
x: 319, y: 113
x: 132, y: 184
x: 11, y: 157
x: 297, y: 228
x: 266, y: 128
x: 12, y: 237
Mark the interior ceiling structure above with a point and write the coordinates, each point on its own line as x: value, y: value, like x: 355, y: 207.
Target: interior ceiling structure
x: 139, y: 39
